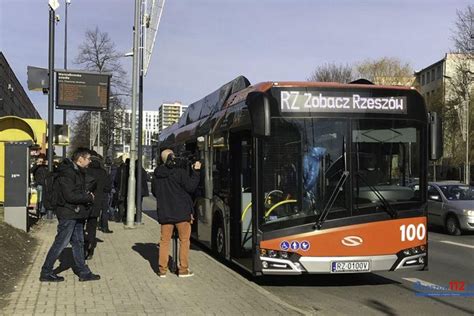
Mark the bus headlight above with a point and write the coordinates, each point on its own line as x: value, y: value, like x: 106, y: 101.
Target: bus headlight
x: 272, y: 253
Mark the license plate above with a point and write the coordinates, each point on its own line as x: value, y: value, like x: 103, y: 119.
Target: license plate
x: 350, y: 266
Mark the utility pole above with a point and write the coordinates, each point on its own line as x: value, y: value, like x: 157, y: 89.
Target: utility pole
x: 52, y: 17
x: 133, y: 150
x: 68, y: 2
x: 140, y: 117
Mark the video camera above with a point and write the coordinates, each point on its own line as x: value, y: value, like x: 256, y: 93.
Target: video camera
x: 183, y: 162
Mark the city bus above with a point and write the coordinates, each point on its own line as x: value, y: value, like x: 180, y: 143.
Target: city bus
x: 310, y: 177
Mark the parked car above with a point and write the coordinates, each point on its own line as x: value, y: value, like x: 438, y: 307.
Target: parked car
x: 451, y: 205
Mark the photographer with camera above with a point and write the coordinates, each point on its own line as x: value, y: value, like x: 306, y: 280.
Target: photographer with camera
x: 172, y: 188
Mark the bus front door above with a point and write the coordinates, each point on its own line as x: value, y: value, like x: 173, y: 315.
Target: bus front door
x: 241, y: 208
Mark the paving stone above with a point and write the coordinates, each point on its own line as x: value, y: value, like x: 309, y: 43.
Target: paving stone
x: 127, y: 263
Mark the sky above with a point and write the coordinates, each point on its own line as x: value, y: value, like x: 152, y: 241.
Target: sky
x: 203, y: 44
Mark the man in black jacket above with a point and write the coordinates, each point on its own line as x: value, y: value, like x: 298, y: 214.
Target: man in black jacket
x: 172, y: 189
x: 71, y: 211
x: 99, y: 206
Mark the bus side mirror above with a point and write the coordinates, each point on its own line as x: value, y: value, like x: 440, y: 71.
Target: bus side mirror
x: 435, y: 136
x: 259, y: 108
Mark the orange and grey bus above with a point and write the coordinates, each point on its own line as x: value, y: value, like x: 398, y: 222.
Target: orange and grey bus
x: 310, y: 177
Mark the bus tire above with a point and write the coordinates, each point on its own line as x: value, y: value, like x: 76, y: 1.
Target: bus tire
x: 452, y: 225
x: 218, y: 237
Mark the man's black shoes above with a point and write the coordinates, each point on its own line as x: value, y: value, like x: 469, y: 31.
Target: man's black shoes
x: 51, y: 278
x: 107, y: 231
x: 89, y: 277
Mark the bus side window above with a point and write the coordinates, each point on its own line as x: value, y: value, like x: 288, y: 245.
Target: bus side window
x: 220, y: 172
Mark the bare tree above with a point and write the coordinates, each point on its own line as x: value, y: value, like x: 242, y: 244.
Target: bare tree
x: 463, y: 35
x: 331, y: 72
x: 386, y: 71
x: 460, y: 84
x: 99, y: 53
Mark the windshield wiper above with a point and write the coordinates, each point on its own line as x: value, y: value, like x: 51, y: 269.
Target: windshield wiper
x: 388, y: 208
x: 331, y: 200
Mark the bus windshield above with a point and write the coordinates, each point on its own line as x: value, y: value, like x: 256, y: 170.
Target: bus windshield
x: 307, y: 160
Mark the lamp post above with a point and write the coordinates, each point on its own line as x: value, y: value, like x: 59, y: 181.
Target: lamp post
x: 52, y: 18
x: 131, y: 196
x: 68, y: 2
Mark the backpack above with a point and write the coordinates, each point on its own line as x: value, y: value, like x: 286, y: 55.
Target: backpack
x: 52, y: 197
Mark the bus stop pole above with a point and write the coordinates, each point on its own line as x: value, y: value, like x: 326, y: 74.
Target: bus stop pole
x: 49, y: 213
x: 51, y: 90
x: 131, y: 200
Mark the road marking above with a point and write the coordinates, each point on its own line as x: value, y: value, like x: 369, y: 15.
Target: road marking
x: 424, y: 283
x: 457, y: 244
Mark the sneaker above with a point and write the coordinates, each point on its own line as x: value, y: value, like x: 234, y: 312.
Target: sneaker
x: 162, y: 275
x: 89, y: 277
x: 51, y: 278
x: 186, y: 275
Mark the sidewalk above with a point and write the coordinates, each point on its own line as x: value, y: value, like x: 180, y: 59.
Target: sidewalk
x: 127, y: 261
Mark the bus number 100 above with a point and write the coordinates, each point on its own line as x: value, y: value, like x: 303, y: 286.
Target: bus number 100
x: 411, y: 232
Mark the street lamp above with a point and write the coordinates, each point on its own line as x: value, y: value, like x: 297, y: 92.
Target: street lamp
x: 68, y: 2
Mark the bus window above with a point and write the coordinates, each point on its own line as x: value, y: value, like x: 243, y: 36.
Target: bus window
x: 304, y: 159
x: 386, y: 161
x: 220, y: 170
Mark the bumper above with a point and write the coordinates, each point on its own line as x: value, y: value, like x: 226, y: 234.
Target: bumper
x: 322, y: 265
x: 466, y: 222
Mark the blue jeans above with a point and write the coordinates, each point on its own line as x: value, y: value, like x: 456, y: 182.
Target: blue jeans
x: 69, y: 231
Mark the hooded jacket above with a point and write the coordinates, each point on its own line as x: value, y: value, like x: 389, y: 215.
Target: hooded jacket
x: 72, y: 186
x: 103, y: 187
x: 172, y: 188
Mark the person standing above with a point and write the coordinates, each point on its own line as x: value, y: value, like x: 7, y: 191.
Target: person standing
x: 172, y: 189
x: 40, y: 172
x: 121, y: 185
x: 72, y: 209
x: 99, y: 206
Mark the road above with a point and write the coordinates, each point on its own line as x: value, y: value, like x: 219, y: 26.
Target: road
x: 388, y: 293
x: 451, y: 258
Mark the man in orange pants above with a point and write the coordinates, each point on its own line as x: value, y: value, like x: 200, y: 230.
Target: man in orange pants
x: 172, y: 188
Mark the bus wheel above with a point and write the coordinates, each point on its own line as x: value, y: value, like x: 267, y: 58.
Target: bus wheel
x: 452, y: 226
x: 218, y: 238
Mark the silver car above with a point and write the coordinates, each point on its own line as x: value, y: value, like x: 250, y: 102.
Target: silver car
x: 451, y: 205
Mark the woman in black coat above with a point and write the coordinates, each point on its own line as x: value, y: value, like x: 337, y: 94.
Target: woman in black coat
x: 99, y: 206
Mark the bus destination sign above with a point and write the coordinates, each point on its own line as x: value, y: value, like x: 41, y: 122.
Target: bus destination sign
x: 299, y: 101
x: 88, y: 91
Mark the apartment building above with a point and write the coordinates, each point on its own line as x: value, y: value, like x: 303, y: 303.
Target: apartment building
x: 153, y: 123
x: 169, y: 113
x: 436, y: 81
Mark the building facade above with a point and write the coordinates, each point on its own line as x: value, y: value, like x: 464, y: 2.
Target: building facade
x: 169, y: 113
x: 448, y: 88
x: 437, y: 82
x: 13, y: 98
x: 153, y: 123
